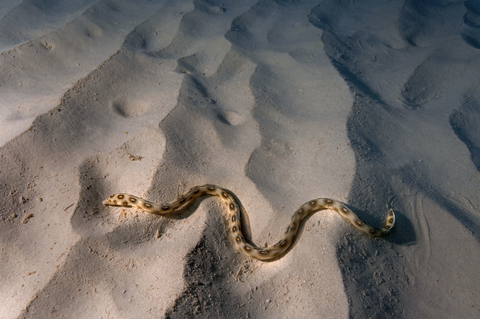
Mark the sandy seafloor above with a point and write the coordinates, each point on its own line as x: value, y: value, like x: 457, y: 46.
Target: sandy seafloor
x: 375, y: 103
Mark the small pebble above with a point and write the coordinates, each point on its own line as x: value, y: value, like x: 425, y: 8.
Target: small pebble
x: 26, y: 218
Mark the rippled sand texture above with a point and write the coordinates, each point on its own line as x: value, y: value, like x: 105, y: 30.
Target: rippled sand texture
x: 375, y: 103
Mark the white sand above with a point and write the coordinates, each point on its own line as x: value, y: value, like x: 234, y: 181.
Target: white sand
x: 375, y: 103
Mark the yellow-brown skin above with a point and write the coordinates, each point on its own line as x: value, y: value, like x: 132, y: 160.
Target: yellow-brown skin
x: 269, y: 253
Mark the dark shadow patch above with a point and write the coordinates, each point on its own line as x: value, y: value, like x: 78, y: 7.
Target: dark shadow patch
x: 371, y: 280
x: 472, y: 16
x: 472, y: 39
x: 207, y: 278
x: 338, y: 52
x: 360, y: 257
x: 465, y: 123
x: 88, y: 210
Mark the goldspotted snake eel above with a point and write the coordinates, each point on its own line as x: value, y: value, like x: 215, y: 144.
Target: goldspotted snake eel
x: 234, y: 211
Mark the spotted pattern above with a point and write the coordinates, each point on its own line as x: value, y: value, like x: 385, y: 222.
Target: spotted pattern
x: 267, y: 253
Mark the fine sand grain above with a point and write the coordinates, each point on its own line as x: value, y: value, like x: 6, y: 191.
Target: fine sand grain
x: 373, y: 103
